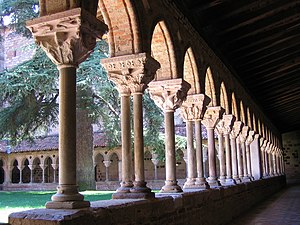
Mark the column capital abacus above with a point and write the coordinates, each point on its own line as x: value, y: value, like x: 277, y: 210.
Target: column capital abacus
x: 236, y: 129
x: 244, y: 134
x: 67, y: 37
x: 169, y: 94
x: 106, y: 163
x: 250, y: 137
x: 131, y: 73
x: 194, y: 107
x: 212, y: 116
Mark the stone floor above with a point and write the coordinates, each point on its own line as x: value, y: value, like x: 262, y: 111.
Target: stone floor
x: 282, y: 208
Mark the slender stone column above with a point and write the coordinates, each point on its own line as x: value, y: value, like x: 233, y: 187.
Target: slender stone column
x: 155, y: 162
x: 106, y: 164
x: 262, y: 147
x: 267, y: 159
x: 192, y: 110
x: 220, y: 131
x: 237, y: 126
x: 271, y: 163
x: 228, y: 123
x: 134, y: 72
x: 31, y: 167
x: 55, y: 167
x: 239, y: 158
x: 277, y: 164
x: 43, y: 167
x: 169, y: 95
x: 211, y: 118
x: 69, y: 42
x: 243, y: 138
x: 9, y: 174
x: 21, y: 175
x: 248, y: 142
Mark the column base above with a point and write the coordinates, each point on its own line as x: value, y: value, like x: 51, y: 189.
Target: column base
x: 222, y: 180
x: 171, y: 187
x: 67, y: 205
x: 132, y: 195
x: 246, y: 179
x: 201, y: 183
x: 125, y: 187
x: 67, y: 193
x: 190, y: 183
x: 213, y: 182
x: 140, y: 187
x: 237, y: 180
x: 229, y: 181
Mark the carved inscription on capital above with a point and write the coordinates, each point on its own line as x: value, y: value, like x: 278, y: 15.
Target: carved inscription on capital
x: 212, y: 117
x: 131, y: 72
x: 67, y: 37
x: 169, y: 94
x: 194, y: 107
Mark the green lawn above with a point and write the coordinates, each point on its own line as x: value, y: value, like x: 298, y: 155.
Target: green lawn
x: 20, y: 200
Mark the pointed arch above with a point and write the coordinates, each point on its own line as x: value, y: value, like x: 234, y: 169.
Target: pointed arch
x: 190, y: 72
x: 259, y: 127
x: 249, y: 118
x: 210, y: 87
x: 162, y: 50
x: 242, y: 113
x: 254, y: 123
x: 234, y: 106
x: 224, y: 98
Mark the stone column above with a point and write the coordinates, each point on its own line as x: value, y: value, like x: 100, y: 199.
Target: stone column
x: 237, y: 126
x: 239, y: 157
x: 277, y: 163
x: 267, y: 159
x: 228, y: 124
x: 193, y: 109
x: 55, y: 167
x: 43, y: 167
x: 106, y: 164
x: 220, y: 129
x: 21, y: 169
x: 169, y: 95
x: 262, y: 148
x: 31, y: 167
x: 8, y: 175
x: 211, y: 118
x: 248, y: 155
x: 119, y: 170
x: 134, y: 72
x: 243, y: 138
x: 69, y: 42
x: 155, y: 162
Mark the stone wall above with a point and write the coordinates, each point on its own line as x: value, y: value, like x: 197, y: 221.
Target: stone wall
x: 209, y: 207
x: 291, y: 151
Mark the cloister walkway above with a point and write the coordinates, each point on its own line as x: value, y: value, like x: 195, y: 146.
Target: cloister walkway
x: 282, y: 208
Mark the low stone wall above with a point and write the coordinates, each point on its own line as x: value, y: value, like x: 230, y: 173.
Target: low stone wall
x: 30, y: 187
x: 206, y: 207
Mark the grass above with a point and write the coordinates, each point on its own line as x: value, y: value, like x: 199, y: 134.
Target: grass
x: 21, y: 200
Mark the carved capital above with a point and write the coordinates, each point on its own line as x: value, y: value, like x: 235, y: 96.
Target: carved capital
x: 212, y: 116
x: 250, y: 137
x: 236, y: 129
x: 194, y: 107
x: 67, y: 37
x: 169, y: 94
x: 244, y: 133
x: 226, y: 123
x: 106, y: 163
x: 131, y: 73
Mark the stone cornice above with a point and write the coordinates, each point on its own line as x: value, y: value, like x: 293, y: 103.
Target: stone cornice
x: 131, y: 73
x: 212, y: 116
x: 194, y: 107
x: 67, y: 37
x: 169, y: 94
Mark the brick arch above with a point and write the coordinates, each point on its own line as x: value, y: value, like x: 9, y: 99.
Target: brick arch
x: 210, y: 87
x: 234, y: 106
x: 190, y: 72
x: 121, y: 19
x: 242, y: 113
x: 224, y: 98
x: 162, y: 49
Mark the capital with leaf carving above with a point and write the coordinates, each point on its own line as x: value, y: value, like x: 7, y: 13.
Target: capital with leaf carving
x: 67, y: 37
x: 225, y: 125
x: 236, y: 129
x: 194, y: 107
x: 250, y: 137
x: 131, y: 73
x: 244, y: 134
x: 169, y: 94
x: 212, y: 116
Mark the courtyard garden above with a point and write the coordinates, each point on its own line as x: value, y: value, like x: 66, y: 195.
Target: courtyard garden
x: 21, y: 200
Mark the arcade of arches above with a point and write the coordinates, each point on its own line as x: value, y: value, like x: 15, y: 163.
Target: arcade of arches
x: 154, y: 48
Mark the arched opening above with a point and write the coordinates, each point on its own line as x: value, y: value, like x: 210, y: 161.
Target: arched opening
x: 49, y: 171
x: 149, y: 166
x: 180, y: 166
x: 210, y: 87
x: 99, y: 168
x: 37, y: 175
x: 242, y: 113
x: 2, y: 173
x: 234, y: 107
x: 224, y: 99
x: 162, y: 50
x: 249, y: 118
x: 190, y: 72
x: 26, y: 172
x: 15, y: 173
x: 114, y: 167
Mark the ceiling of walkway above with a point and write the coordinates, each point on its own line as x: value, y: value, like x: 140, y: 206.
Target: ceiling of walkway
x: 259, y: 41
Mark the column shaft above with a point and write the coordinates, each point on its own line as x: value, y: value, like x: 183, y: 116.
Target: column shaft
x: 234, y: 160
x: 222, y: 158
x: 190, y: 156
x: 212, y: 179
x: 249, y: 168
x: 239, y: 159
